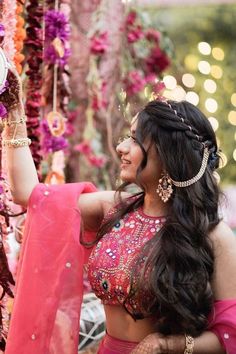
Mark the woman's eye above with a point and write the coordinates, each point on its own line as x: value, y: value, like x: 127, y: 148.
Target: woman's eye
x: 127, y: 136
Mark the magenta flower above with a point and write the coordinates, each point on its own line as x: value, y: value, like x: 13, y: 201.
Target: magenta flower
x: 3, y: 111
x: 157, y: 61
x: 2, y: 30
x: 56, y: 25
x: 52, y: 57
x: 97, y: 161
x: 134, y: 83
x: 83, y: 148
x: 50, y: 143
x: 135, y: 34
x: 99, y: 44
x: 152, y: 35
x: 131, y: 18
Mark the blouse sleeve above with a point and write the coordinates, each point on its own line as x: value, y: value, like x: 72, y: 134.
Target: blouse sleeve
x: 223, y: 323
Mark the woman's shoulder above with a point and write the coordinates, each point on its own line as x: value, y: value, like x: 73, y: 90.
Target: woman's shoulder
x: 222, y: 235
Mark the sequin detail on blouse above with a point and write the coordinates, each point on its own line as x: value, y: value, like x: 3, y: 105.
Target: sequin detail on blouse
x: 111, y: 260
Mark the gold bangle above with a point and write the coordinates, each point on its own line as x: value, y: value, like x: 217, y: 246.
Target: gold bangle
x: 9, y: 122
x: 16, y: 142
x: 189, y: 344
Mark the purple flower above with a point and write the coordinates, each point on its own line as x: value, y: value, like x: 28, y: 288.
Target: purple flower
x: 2, y: 30
x: 56, y: 25
x: 3, y: 111
x: 52, y: 57
x: 50, y: 143
x: 4, y: 87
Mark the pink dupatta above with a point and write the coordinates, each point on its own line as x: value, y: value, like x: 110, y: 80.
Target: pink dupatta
x: 49, y: 290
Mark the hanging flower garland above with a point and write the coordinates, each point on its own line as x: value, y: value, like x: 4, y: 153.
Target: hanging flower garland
x: 19, y: 37
x: 34, y: 44
x: 9, y: 23
x: 56, y: 89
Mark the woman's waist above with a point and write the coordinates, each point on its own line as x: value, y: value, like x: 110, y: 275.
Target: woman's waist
x: 121, y: 325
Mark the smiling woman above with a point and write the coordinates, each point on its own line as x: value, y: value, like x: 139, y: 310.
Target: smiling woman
x: 158, y: 259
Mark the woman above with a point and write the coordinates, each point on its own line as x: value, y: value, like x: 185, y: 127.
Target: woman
x: 162, y: 262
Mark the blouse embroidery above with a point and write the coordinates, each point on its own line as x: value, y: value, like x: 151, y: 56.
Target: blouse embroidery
x: 111, y: 260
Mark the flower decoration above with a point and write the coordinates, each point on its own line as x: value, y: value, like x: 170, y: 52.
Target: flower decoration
x: 94, y: 159
x: 99, y: 43
x: 9, y: 23
x: 19, y: 37
x: 50, y: 143
x: 34, y: 44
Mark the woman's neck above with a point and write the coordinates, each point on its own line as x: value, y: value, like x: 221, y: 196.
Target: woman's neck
x: 154, y: 206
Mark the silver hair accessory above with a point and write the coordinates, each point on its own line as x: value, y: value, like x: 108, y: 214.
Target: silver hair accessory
x: 189, y: 182
x: 4, y: 66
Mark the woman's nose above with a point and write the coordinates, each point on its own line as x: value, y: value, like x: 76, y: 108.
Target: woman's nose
x: 123, y: 147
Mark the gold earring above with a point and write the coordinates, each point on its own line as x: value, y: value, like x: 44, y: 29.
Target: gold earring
x: 164, y: 188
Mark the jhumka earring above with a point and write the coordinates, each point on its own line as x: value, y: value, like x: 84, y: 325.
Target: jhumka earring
x: 164, y: 188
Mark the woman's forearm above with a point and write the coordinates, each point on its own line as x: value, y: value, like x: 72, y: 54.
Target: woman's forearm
x: 21, y: 170
x: 206, y: 343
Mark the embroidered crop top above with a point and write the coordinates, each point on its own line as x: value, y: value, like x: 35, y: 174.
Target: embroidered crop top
x: 111, y: 260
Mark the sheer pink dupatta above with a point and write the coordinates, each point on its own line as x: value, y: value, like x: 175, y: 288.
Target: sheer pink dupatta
x: 49, y: 290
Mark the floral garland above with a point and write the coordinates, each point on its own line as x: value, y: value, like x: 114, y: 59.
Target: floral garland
x: 19, y: 37
x: 9, y: 23
x: 56, y: 93
x: 34, y: 44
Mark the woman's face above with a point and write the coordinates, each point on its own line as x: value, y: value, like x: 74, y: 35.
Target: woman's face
x: 131, y: 157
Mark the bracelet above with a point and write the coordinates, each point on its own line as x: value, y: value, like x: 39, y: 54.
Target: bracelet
x: 16, y: 142
x: 11, y: 122
x: 189, y: 344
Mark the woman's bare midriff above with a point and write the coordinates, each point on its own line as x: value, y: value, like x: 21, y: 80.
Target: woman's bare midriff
x: 121, y: 325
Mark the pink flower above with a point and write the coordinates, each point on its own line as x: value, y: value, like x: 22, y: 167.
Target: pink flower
x: 157, y: 61
x: 152, y: 35
x: 83, y: 147
x: 3, y: 111
x: 134, y: 83
x: 99, y: 44
x: 131, y: 17
x: 135, y: 34
x: 150, y: 78
x: 97, y: 161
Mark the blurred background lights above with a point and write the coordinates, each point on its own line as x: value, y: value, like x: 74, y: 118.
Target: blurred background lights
x: 204, y: 67
x: 214, y: 123
x: 232, y: 117
x: 211, y: 105
x: 192, y: 97
x: 234, y: 154
x: 177, y: 94
x: 216, y: 71
x: 210, y: 86
x: 218, y: 53
x: 188, y: 80
x: 204, y: 48
x: 234, y: 136
x: 191, y: 62
x: 170, y: 82
x: 233, y: 99
x: 223, y: 160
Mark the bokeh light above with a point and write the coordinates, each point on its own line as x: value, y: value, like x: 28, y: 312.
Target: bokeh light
x: 204, y: 48
x: 233, y: 99
x: 234, y: 154
x: 218, y: 53
x: 210, y: 86
x: 214, y: 123
x: 211, y: 105
x: 192, y: 97
x: 177, y: 94
x: 216, y: 71
x: 191, y: 62
x: 223, y: 160
x: 188, y: 80
x: 232, y: 117
x: 204, y: 67
x: 170, y: 82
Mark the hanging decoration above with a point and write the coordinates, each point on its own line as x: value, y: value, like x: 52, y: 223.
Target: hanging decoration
x: 19, y: 37
x: 34, y: 59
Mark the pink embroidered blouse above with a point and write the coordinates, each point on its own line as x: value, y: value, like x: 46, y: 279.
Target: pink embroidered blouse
x: 111, y: 260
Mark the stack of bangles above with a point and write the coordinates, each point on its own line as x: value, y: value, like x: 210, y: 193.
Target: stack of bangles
x: 189, y: 344
x: 19, y: 142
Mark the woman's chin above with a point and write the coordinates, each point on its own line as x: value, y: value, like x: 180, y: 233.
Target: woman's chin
x: 125, y: 177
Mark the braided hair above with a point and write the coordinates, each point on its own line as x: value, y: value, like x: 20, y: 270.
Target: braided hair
x: 176, y: 265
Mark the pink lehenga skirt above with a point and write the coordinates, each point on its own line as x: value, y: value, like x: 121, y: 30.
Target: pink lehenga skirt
x: 111, y: 345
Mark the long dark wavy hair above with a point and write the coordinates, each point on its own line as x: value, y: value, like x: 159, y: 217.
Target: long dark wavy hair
x: 179, y: 259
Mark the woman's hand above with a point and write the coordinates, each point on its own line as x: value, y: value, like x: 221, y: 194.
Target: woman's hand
x: 156, y: 343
